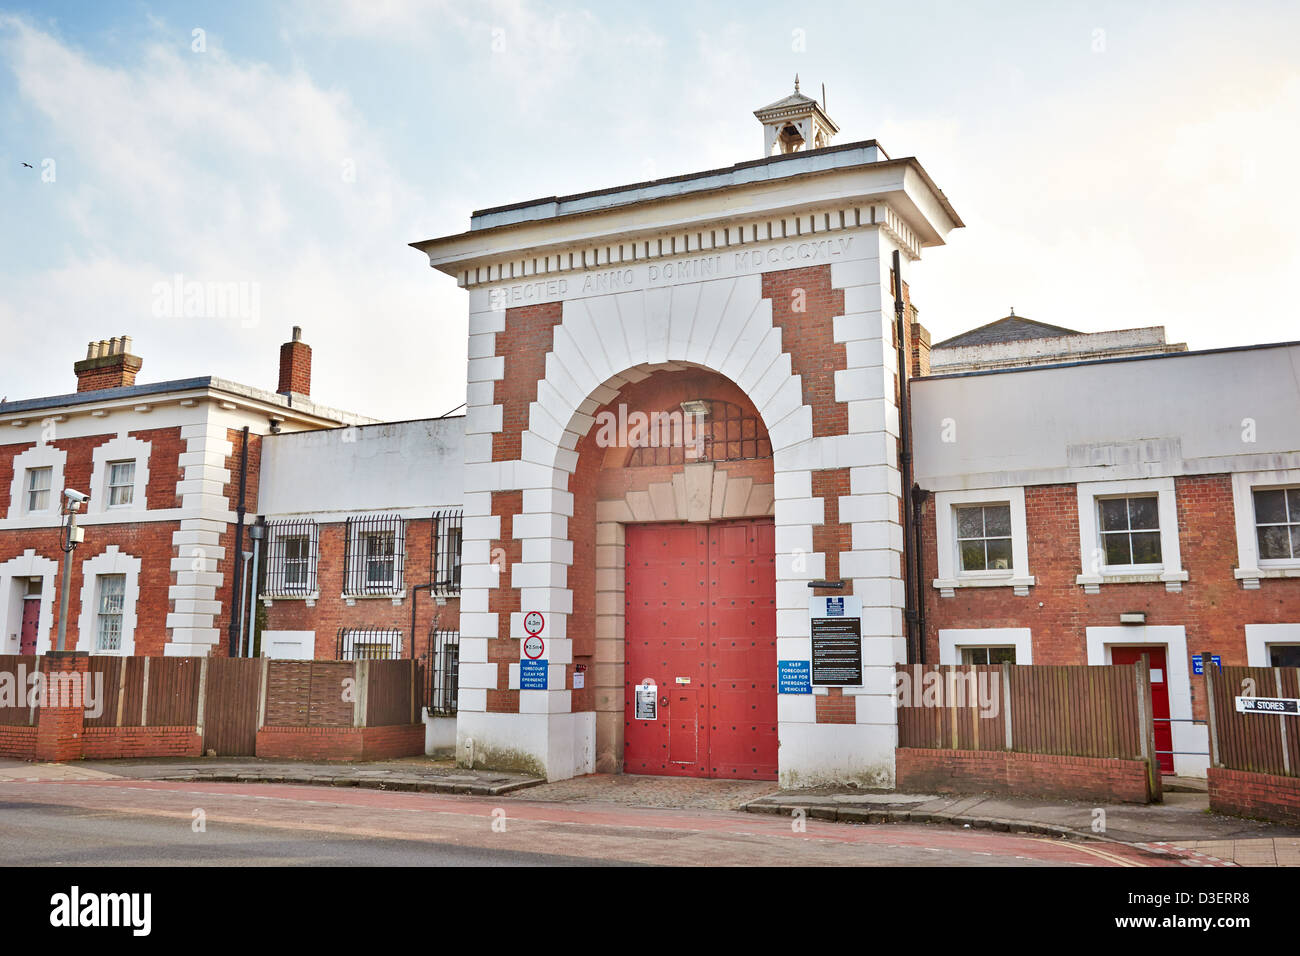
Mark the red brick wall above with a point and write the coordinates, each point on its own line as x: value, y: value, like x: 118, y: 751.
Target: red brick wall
x: 18, y: 743
x: 166, y: 447
x: 109, y: 743
x: 528, y: 336
x: 808, y: 338
x: 332, y: 612
x: 1259, y: 795
x: 1213, y: 607
x: 503, y: 601
x: 978, y: 771
x: 340, y: 743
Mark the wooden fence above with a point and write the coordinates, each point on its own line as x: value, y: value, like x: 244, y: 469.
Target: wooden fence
x: 1254, y: 742
x: 229, y: 699
x: 1075, y: 710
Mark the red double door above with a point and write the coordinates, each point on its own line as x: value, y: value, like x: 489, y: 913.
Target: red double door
x: 700, y: 605
x: 1163, y: 728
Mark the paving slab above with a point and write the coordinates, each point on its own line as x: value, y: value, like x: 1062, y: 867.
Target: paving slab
x: 423, y: 775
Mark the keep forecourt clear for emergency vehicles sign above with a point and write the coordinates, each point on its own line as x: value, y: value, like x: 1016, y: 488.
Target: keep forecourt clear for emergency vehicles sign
x: 836, y: 626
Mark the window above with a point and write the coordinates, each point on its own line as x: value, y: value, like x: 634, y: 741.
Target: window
x: 376, y: 555
x: 297, y: 558
x: 1284, y: 655
x: 988, y: 655
x: 982, y: 540
x: 702, y: 429
x: 38, y: 488
x: 368, y: 644
x: 121, y: 483
x: 984, y: 537
x: 1130, y: 530
x: 291, y: 561
x: 1277, y: 524
x: 447, y: 544
x: 108, y: 627
x: 380, y: 558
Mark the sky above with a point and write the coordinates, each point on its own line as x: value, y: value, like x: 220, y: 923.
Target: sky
x: 1116, y: 164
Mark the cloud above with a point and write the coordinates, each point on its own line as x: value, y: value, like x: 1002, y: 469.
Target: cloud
x: 227, y: 171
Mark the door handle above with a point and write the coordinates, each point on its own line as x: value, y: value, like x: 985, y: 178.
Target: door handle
x: 663, y: 701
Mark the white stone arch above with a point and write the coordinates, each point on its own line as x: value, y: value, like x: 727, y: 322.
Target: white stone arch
x: 601, y: 343
x: 14, y: 572
x: 111, y: 560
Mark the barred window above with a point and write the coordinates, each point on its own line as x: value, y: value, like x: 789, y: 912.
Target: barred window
x: 369, y: 644
x: 376, y: 555
x: 441, y: 672
x: 292, y: 557
x: 703, y: 429
x: 447, y: 537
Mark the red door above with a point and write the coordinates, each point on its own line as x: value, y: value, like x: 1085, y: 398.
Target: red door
x: 1159, y: 697
x: 701, y: 626
x: 31, y: 621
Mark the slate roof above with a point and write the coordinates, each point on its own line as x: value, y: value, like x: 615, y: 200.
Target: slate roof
x: 1013, y: 328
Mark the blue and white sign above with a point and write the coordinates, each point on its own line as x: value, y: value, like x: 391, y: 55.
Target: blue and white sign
x: 1198, y: 666
x: 532, y: 675
x: 844, y: 606
x: 794, y: 677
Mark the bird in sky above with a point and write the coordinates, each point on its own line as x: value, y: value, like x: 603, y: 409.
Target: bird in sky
x: 29, y: 165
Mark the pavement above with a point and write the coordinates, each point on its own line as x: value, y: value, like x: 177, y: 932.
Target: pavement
x: 418, y: 774
x: 1182, y: 825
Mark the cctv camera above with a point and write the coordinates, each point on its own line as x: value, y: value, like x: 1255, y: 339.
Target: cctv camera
x: 73, y: 495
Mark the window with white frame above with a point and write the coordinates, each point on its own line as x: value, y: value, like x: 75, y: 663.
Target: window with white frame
x: 38, y: 489
x: 1277, y: 524
x: 982, y: 539
x: 121, y: 483
x: 108, y: 619
x: 988, y: 655
x: 1128, y: 533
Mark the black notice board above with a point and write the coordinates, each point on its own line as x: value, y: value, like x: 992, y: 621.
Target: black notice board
x: 837, y: 651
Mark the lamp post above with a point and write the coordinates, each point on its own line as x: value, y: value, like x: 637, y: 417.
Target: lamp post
x: 70, y: 535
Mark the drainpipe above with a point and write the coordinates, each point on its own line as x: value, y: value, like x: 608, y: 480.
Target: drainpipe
x: 919, y: 495
x: 905, y: 466
x: 236, y: 594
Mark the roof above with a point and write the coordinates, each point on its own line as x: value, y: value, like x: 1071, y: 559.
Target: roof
x: 297, y: 403
x: 1013, y: 328
x: 794, y: 99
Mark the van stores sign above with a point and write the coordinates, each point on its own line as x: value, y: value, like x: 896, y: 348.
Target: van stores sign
x: 691, y: 269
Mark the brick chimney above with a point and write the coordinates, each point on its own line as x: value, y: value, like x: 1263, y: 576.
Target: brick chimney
x: 108, y: 364
x: 295, y: 366
x: 920, y: 348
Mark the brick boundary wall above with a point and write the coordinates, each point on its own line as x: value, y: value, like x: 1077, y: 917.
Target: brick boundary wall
x: 108, y: 743
x: 997, y: 771
x: 18, y: 743
x: 340, y: 743
x: 1263, y: 796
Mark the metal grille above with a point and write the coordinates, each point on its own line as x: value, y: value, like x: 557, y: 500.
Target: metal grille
x: 375, y: 560
x: 445, y: 544
x: 725, y: 432
x: 293, y: 548
x: 368, y: 644
x: 441, y: 667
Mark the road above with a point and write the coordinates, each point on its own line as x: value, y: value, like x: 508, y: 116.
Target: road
x: 119, y: 822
